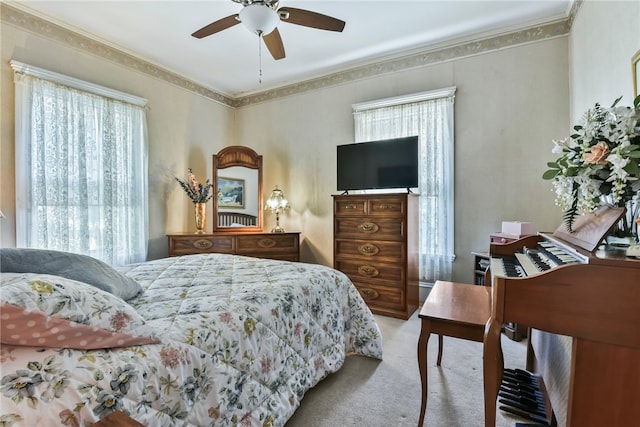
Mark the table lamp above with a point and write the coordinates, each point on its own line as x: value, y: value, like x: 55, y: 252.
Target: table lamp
x: 275, y: 203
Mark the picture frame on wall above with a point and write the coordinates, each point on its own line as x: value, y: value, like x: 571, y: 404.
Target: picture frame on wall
x: 635, y: 67
x: 231, y: 193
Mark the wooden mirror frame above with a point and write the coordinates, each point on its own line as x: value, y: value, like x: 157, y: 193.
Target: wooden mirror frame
x: 236, y: 155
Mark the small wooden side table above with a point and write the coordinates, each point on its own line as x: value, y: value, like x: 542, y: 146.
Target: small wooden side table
x: 456, y: 310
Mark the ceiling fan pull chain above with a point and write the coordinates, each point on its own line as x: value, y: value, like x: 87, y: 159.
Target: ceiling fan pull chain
x: 260, y: 57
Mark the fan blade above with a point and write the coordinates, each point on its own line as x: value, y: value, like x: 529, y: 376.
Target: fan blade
x: 217, y: 26
x: 311, y: 19
x: 274, y: 44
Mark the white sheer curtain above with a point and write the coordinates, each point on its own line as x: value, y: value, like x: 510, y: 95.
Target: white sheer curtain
x: 430, y: 116
x: 81, y: 171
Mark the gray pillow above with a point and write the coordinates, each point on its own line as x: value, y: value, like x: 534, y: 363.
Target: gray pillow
x: 81, y: 268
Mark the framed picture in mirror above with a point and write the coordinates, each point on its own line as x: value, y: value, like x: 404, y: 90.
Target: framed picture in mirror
x: 230, y: 193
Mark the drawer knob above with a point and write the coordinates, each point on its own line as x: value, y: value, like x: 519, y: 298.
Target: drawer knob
x: 350, y: 207
x: 368, y: 249
x: 267, y: 243
x: 368, y: 227
x: 368, y: 270
x: 385, y: 207
x: 202, y: 244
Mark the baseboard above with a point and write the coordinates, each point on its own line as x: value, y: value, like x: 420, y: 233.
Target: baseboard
x: 423, y: 289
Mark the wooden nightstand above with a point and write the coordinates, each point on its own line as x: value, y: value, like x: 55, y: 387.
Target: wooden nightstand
x: 283, y: 246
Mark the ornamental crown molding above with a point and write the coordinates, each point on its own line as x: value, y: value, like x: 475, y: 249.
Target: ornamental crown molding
x: 415, y: 60
x: 410, y: 60
x: 42, y: 27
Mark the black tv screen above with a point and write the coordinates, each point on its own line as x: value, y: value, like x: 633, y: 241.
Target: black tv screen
x: 389, y: 163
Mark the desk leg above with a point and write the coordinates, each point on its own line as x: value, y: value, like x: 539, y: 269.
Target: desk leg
x: 423, y: 341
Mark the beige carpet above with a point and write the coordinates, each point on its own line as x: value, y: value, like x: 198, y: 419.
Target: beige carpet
x: 367, y: 392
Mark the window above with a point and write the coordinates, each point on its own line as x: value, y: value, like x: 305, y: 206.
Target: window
x: 81, y: 167
x: 430, y: 116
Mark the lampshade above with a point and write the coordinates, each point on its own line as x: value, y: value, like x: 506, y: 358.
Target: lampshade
x: 277, y: 200
x: 259, y: 18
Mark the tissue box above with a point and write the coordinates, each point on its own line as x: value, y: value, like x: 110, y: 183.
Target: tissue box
x: 518, y: 228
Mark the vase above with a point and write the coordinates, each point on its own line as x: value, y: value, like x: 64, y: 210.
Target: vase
x: 201, y: 216
x: 625, y: 233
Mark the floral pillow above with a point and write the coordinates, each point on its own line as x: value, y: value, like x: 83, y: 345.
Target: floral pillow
x: 42, y: 310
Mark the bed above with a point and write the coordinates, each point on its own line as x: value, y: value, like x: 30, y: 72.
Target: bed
x: 197, y: 340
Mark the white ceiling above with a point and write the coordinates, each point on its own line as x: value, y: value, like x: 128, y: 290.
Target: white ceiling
x: 228, y: 62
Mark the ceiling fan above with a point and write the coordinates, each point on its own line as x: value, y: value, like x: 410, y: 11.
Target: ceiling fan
x: 261, y: 17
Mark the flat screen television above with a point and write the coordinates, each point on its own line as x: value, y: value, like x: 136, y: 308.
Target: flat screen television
x: 389, y: 163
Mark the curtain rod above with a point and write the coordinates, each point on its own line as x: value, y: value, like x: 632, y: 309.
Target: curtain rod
x: 404, y: 99
x: 41, y: 73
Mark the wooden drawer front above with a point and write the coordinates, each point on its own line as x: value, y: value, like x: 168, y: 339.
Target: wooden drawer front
x: 386, y: 206
x: 350, y: 207
x: 267, y: 243
x: 373, y: 272
x: 380, y: 250
x: 381, y: 296
x: 284, y: 256
x: 370, y: 228
x: 200, y: 244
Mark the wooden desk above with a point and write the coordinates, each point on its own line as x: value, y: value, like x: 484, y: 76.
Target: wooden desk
x: 453, y: 309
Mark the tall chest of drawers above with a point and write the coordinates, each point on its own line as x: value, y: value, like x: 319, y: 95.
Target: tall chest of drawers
x: 376, y: 244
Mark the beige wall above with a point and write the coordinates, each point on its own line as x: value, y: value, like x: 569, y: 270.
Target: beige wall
x: 604, y: 36
x: 510, y: 104
x: 185, y: 129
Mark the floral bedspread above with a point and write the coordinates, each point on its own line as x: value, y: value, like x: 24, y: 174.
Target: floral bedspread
x: 242, y: 340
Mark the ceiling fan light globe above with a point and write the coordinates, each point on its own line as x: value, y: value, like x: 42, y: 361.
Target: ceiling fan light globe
x: 259, y: 19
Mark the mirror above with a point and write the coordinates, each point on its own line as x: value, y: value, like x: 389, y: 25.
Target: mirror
x: 237, y: 181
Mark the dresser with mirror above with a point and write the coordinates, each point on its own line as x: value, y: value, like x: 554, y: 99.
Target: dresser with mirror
x: 238, y: 221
